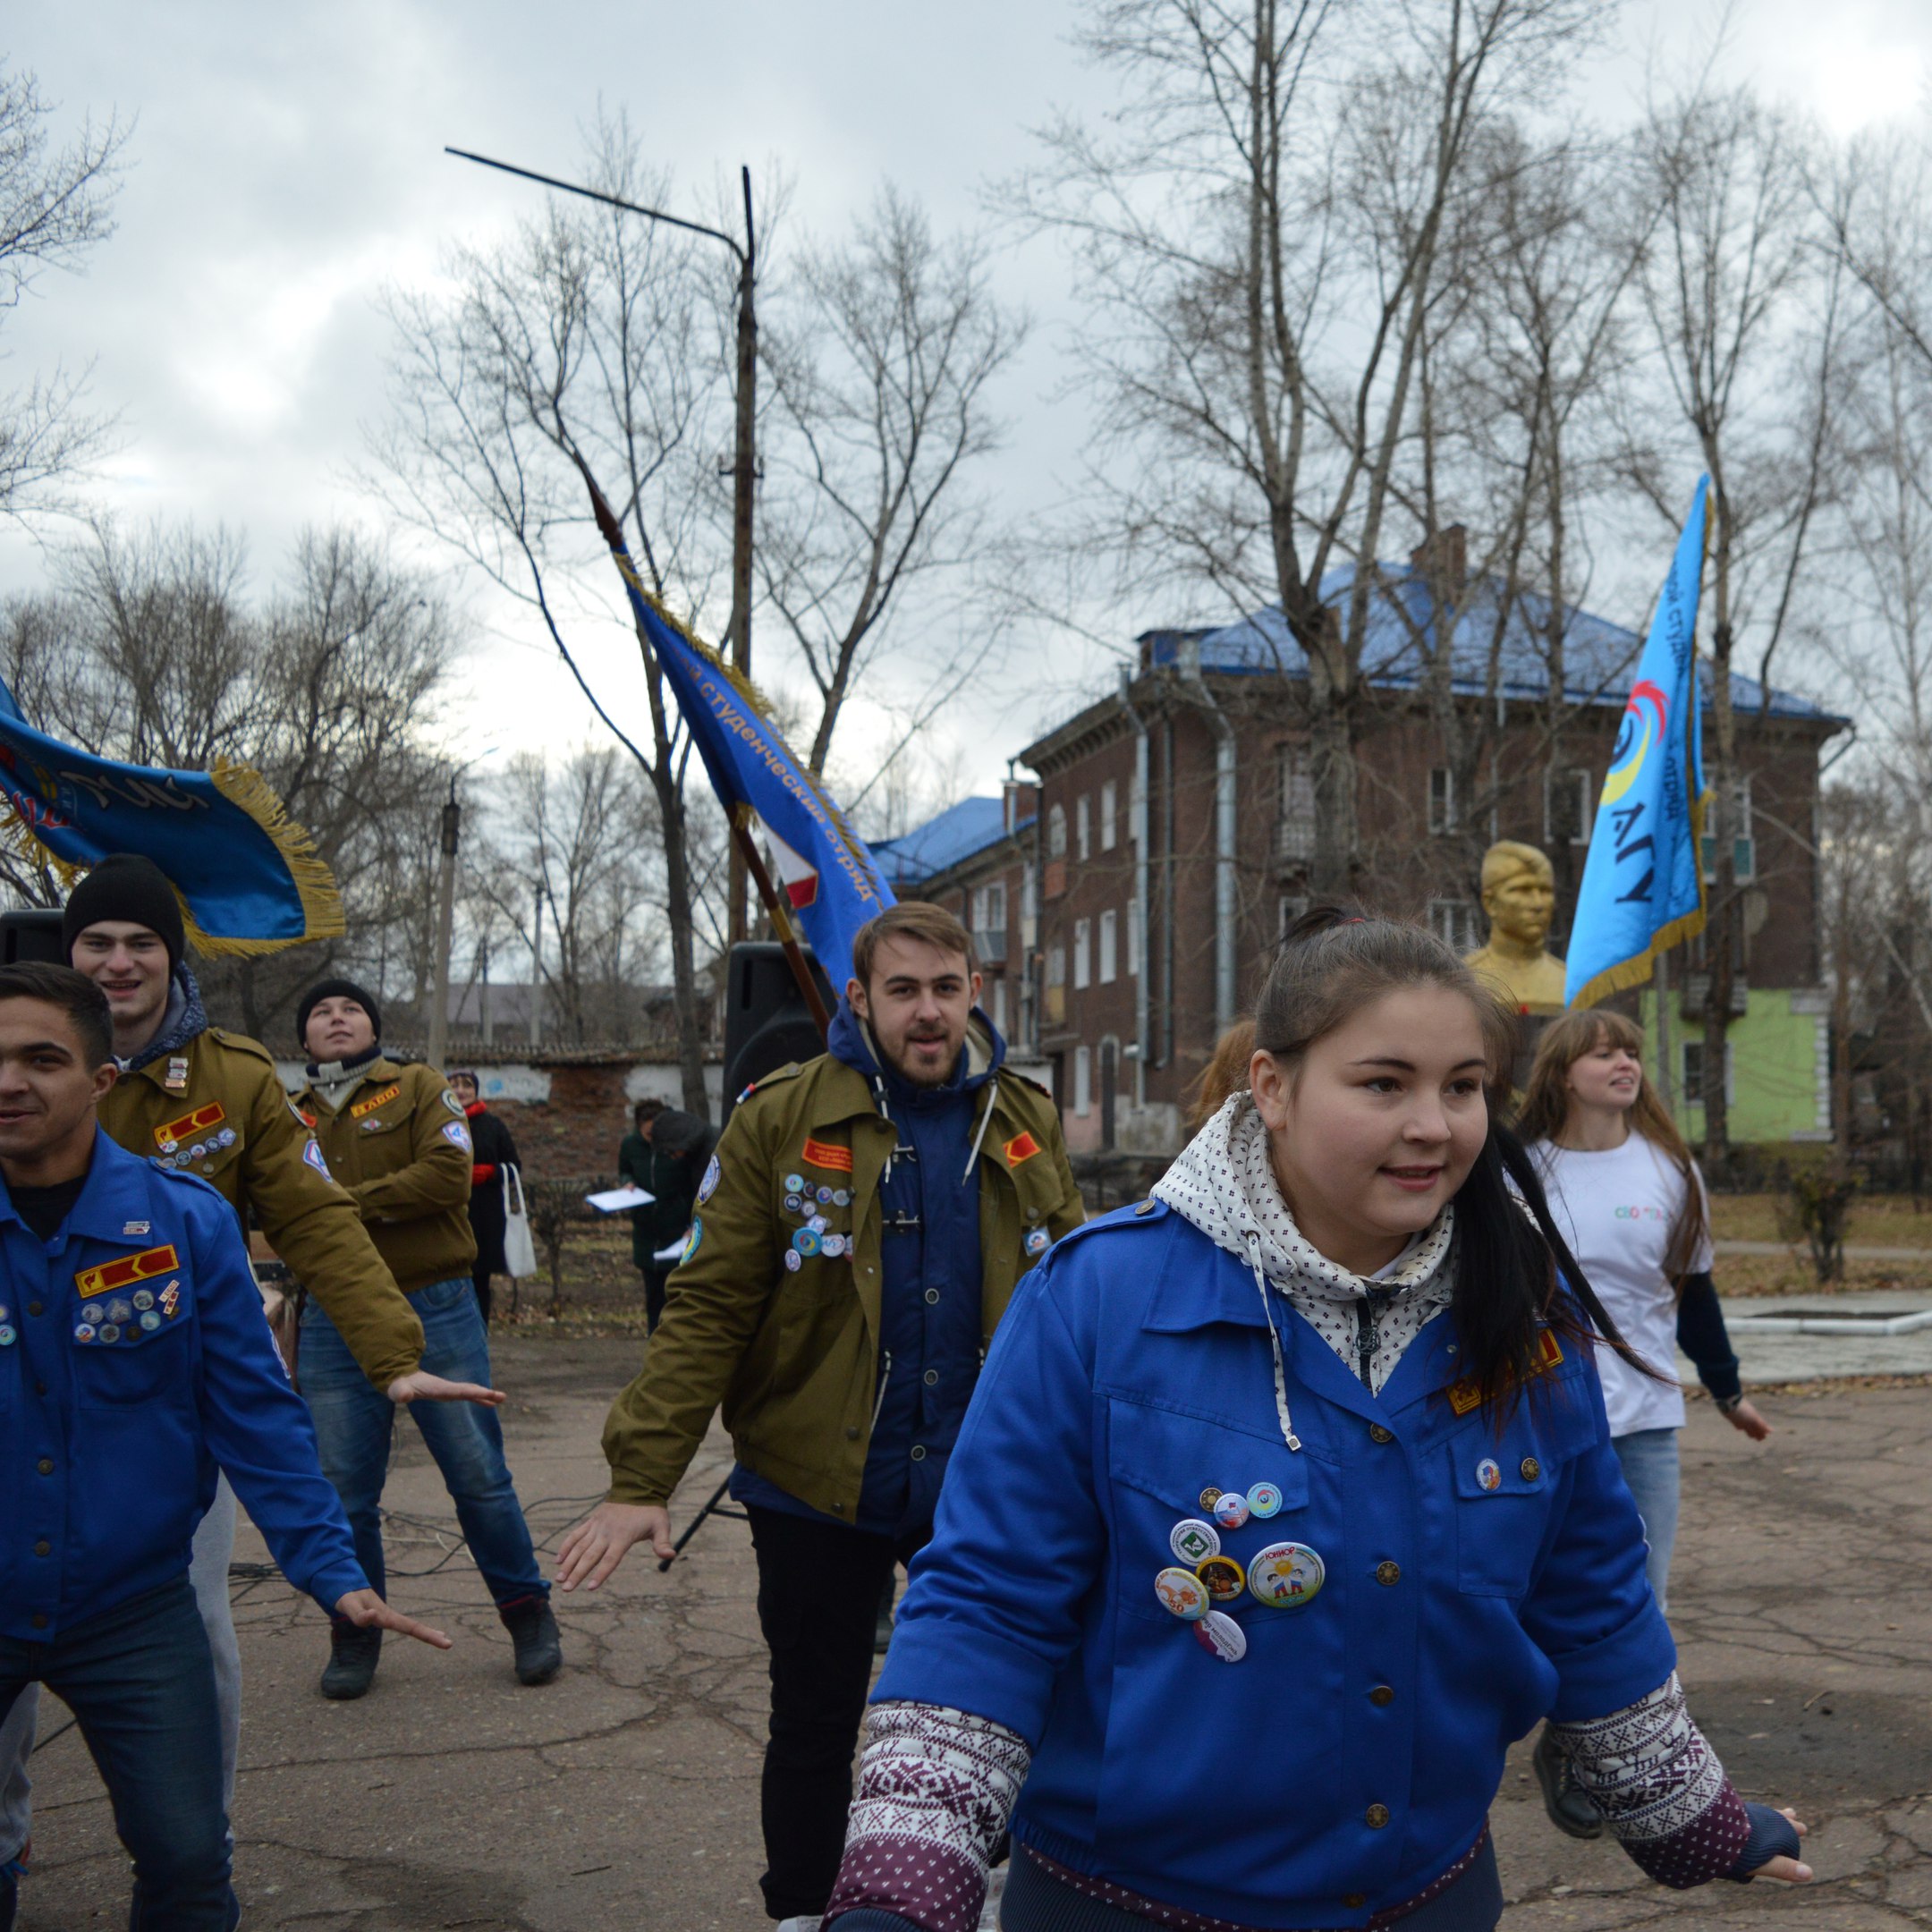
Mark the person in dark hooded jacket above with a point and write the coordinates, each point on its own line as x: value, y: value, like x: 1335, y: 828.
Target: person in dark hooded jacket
x: 857, y: 1237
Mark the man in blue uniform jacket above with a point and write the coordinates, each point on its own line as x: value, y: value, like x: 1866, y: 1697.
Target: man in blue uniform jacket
x: 134, y: 1364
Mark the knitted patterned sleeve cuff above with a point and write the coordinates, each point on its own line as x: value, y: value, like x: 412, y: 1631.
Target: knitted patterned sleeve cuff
x: 1660, y: 1788
x: 936, y: 1789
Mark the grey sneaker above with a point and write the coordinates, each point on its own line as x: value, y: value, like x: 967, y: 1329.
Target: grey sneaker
x: 1567, y: 1802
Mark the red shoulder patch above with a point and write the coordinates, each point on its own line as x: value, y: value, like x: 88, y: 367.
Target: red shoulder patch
x: 1022, y: 1147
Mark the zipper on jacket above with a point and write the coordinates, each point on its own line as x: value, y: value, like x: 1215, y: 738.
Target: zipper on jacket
x: 1368, y: 1334
x: 1365, y: 1342
x: 884, y: 1377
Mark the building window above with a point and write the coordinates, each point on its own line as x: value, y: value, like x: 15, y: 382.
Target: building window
x: 1083, y: 824
x: 1056, y: 832
x: 1082, y: 955
x: 1568, y: 797
x: 1083, y: 1079
x: 1294, y: 820
x: 999, y: 1005
x: 988, y: 923
x: 1744, y: 845
x: 1693, y: 1084
x: 1109, y: 804
x: 1441, y: 800
x: 1293, y: 905
x: 1133, y: 938
x: 1055, y: 985
x: 1453, y: 922
x: 1109, y: 947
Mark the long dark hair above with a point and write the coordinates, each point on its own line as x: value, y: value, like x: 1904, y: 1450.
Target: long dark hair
x: 1513, y: 1271
x: 1546, y: 1110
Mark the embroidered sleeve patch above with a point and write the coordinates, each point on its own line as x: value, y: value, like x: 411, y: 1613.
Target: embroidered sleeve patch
x: 189, y: 1124
x: 375, y: 1101
x: 457, y: 1135
x: 312, y: 1154
x: 820, y: 1153
x: 1022, y: 1147
x: 127, y: 1270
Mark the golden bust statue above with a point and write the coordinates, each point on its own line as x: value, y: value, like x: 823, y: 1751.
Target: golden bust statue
x: 1519, y: 894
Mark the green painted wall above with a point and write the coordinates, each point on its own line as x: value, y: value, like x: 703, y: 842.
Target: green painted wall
x: 1777, y: 1063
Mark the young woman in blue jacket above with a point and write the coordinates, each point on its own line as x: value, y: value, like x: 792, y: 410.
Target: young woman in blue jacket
x: 1287, y: 1502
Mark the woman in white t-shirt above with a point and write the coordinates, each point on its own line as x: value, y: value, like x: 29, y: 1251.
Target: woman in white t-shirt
x: 1630, y: 1201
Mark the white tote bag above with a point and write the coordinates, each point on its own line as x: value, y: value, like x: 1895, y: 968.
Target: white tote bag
x: 520, y: 1251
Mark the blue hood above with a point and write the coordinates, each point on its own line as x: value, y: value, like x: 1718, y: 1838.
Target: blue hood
x: 850, y: 1040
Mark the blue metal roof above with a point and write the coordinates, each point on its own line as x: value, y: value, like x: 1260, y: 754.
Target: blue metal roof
x: 954, y: 835
x: 1599, y: 656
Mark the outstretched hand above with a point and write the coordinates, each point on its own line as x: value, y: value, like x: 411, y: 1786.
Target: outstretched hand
x: 421, y: 1385
x: 1746, y: 1418
x: 366, y: 1611
x: 597, y: 1545
x: 1792, y: 1871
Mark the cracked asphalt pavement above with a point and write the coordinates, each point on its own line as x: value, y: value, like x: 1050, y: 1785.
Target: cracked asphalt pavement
x: 626, y: 1793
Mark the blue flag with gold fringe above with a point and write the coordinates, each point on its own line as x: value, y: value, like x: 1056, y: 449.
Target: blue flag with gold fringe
x: 1643, y: 880
x: 830, y: 880
x: 246, y: 876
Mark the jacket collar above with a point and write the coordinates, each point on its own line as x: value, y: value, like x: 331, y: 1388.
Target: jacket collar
x: 185, y: 1020
x: 1204, y: 1285
x: 114, y: 1196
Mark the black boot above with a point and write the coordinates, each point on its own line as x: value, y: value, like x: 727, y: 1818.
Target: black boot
x: 540, y: 1647
x: 352, y: 1666
x: 1567, y: 1802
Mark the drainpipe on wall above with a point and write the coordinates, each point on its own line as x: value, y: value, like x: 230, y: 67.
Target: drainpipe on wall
x: 1137, y: 819
x: 1224, y: 898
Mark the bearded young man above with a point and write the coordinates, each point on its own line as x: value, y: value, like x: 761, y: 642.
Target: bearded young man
x: 858, y: 1235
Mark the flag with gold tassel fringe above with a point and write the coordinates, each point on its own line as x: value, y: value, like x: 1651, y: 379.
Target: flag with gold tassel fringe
x: 246, y: 876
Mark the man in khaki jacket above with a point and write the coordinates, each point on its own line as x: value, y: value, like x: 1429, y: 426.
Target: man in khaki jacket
x: 395, y: 1138
x: 205, y: 1101
x: 858, y: 1236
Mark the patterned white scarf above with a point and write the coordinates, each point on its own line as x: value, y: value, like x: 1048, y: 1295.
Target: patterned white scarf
x: 1224, y: 1184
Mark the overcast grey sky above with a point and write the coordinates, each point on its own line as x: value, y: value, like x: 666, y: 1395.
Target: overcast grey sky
x: 287, y: 162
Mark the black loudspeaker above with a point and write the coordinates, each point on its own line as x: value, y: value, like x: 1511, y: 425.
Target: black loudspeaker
x: 31, y: 933
x: 766, y: 1022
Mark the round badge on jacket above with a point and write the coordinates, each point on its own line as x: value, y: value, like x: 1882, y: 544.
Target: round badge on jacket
x: 707, y: 1187
x: 1285, y: 1576
x: 1193, y: 1541
x: 1221, y: 1636
x: 1184, y: 1593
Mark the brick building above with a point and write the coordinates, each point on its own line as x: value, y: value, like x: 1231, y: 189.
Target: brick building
x: 567, y: 1107
x: 1145, y: 883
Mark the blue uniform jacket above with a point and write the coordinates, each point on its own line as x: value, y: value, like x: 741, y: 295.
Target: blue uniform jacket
x: 134, y: 1360
x: 1480, y: 1580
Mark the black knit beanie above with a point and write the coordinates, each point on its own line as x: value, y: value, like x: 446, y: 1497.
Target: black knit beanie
x: 335, y: 989
x: 127, y: 889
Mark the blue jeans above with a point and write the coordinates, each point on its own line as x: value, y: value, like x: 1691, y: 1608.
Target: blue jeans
x: 140, y: 1680
x: 354, y: 1422
x: 1650, y: 1460
x: 208, y: 1576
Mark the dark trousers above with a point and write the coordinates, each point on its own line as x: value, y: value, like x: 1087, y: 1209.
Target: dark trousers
x: 817, y: 1603
x: 140, y: 1680
x: 655, y: 1283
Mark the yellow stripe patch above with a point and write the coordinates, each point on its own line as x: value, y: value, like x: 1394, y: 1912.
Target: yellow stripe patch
x: 1464, y: 1395
x: 127, y: 1270
x: 210, y: 1115
x: 375, y: 1101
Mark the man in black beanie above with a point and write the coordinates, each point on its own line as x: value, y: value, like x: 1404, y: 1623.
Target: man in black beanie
x: 395, y: 1137
x: 208, y: 1102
